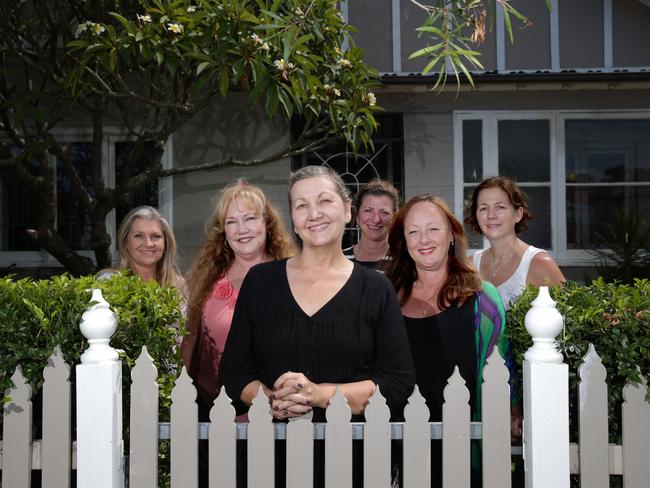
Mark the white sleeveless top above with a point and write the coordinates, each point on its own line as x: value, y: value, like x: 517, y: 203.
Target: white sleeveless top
x: 513, y: 286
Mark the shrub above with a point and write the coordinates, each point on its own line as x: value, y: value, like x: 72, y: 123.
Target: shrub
x: 36, y: 316
x: 614, y: 317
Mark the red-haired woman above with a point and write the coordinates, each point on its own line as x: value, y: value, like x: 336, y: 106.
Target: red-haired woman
x: 452, y: 318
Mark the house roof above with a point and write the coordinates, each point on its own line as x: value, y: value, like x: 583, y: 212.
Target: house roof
x: 526, y: 76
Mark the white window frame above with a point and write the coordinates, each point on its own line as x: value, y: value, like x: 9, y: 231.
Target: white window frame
x: 38, y: 259
x: 557, y: 138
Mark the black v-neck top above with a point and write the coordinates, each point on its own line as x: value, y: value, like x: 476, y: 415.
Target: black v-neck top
x: 357, y: 335
x: 439, y: 343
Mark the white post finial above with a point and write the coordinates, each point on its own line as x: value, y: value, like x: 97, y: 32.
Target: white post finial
x: 543, y: 323
x: 99, y: 402
x: 98, y: 325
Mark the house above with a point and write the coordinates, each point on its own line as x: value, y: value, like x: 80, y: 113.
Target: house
x: 565, y: 110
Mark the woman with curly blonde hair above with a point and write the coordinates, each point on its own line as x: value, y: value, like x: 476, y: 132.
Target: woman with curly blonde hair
x: 244, y: 230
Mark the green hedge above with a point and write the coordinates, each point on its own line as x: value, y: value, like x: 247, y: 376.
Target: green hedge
x: 614, y: 317
x: 36, y: 316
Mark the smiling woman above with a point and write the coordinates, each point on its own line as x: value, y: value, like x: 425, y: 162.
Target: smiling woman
x: 147, y: 247
x: 375, y: 204
x: 304, y: 326
x: 452, y: 318
x: 498, y: 209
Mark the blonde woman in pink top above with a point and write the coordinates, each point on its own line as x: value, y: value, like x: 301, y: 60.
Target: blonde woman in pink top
x: 244, y: 230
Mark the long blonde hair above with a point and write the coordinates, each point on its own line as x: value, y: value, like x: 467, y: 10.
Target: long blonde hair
x: 167, y: 272
x: 215, y: 257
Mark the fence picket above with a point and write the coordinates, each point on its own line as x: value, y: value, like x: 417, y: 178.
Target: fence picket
x: 184, y: 433
x: 17, y: 434
x: 300, y: 451
x: 417, y: 443
x: 376, y: 443
x: 143, y: 458
x: 261, y: 443
x: 57, y: 452
x: 455, y: 433
x: 222, y: 447
x: 338, y: 443
x: 495, y: 420
x: 636, y: 432
x: 592, y: 412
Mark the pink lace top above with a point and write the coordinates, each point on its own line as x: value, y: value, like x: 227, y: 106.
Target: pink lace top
x: 217, y: 315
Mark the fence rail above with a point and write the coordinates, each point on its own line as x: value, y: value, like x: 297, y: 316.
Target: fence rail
x: 593, y: 458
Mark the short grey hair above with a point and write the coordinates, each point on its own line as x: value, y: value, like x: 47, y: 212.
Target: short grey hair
x: 315, y: 172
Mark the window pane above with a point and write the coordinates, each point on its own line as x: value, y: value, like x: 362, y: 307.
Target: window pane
x: 607, y: 150
x: 387, y: 162
x: 594, y: 211
x: 16, y: 215
x: 539, y: 227
x: 524, y: 150
x: 472, y: 151
x: 146, y: 196
x: 474, y: 239
x: 73, y: 223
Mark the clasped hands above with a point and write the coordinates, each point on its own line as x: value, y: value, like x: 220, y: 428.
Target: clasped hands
x: 295, y: 395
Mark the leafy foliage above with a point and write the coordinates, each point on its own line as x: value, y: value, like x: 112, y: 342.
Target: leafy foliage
x: 625, y: 252
x: 614, y: 317
x: 454, y: 28
x: 36, y: 316
x: 149, y: 66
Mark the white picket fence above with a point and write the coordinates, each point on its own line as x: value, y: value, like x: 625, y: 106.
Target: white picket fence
x: 98, y: 456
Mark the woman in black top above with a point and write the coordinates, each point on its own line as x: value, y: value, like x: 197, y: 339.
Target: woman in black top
x: 306, y: 325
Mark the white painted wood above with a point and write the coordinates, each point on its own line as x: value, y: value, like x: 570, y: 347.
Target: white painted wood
x: 17, y: 433
x: 223, y: 439
x: 495, y: 418
x: 57, y: 448
x: 636, y: 434
x: 554, y: 34
x: 184, y: 433
x: 338, y: 443
x: 615, y: 461
x: 543, y: 323
x: 592, y: 411
x: 501, y: 37
x: 261, y: 444
x: 376, y: 443
x: 417, y: 443
x: 300, y: 451
x: 100, y: 448
x: 546, y: 425
x: 455, y: 433
x: 396, y: 36
x: 143, y: 448
x: 608, y: 34
x: 97, y: 325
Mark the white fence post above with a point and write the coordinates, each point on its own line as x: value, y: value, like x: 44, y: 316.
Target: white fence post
x: 99, y: 402
x: 546, y: 399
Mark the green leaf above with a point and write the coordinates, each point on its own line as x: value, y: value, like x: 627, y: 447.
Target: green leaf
x: 224, y: 80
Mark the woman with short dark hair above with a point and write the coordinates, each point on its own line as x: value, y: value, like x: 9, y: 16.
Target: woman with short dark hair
x: 498, y: 209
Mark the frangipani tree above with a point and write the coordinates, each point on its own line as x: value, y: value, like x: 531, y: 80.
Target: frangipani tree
x: 154, y: 65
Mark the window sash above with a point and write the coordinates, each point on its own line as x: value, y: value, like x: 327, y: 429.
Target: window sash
x: 558, y: 184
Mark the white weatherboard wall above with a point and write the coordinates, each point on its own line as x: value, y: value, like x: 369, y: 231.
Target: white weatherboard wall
x: 428, y: 155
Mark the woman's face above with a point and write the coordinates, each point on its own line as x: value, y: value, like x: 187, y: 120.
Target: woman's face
x: 245, y: 229
x: 145, y: 244
x: 318, y: 212
x: 495, y: 213
x: 373, y: 217
x: 428, y: 236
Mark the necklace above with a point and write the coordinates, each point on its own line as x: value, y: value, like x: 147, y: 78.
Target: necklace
x: 496, y: 269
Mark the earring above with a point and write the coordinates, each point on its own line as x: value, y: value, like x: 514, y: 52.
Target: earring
x: 225, y: 244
